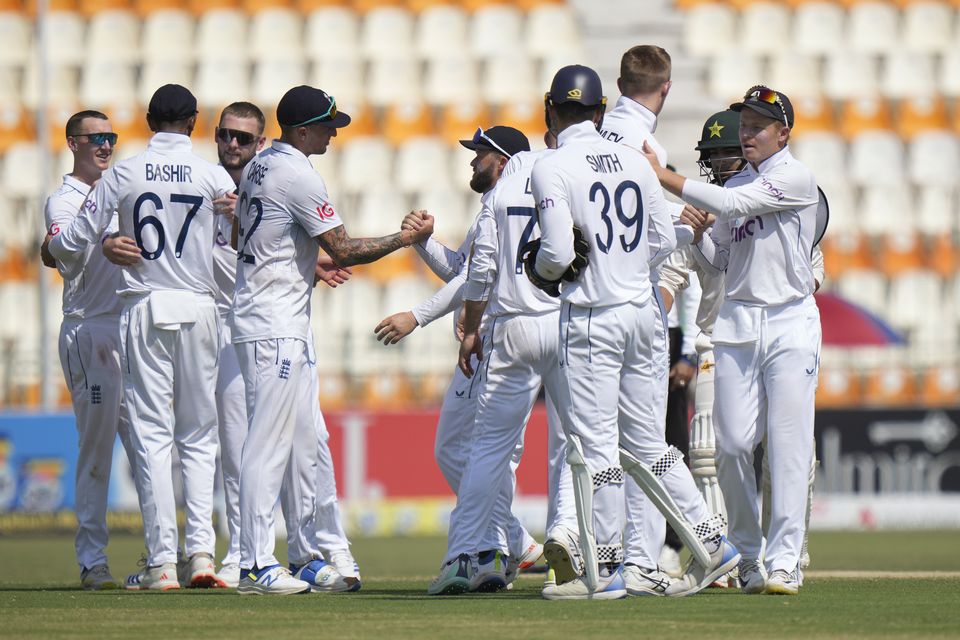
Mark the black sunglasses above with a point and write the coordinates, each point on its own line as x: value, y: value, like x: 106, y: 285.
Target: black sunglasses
x: 98, y: 138
x: 243, y: 137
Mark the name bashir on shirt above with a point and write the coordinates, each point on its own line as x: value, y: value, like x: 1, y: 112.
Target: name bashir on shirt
x: 605, y: 163
x: 168, y: 172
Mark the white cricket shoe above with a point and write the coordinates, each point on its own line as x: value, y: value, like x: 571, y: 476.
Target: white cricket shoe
x: 783, y: 583
x: 274, y: 580
x: 610, y: 587
x: 562, y: 551
x: 751, y: 576
x: 202, y: 572
x: 321, y: 576
x: 97, y: 578
x: 669, y: 562
x: 491, y: 575
x: 645, y: 582
x: 697, y: 577
x: 160, y: 578
x: 229, y: 575
x: 343, y: 562
x: 526, y: 560
x: 454, y: 577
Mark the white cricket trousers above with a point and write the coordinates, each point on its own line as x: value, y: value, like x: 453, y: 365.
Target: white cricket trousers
x: 606, y: 355
x: 327, y: 524
x: 777, y: 372
x: 232, y: 420
x: 278, y: 375
x: 170, y: 379
x: 452, y: 445
x: 645, y: 529
x: 90, y: 358
x: 522, y: 357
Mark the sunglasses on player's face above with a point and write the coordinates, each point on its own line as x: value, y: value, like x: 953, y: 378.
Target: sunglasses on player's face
x: 769, y: 96
x: 243, y: 138
x: 98, y: 138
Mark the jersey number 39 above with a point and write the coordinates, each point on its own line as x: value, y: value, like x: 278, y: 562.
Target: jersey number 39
x: 599, y: 191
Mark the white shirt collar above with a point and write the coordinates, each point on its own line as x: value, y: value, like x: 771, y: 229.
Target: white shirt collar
x: 167, y: 142
x: 636, y: 110
x: 76, y: 184
x: 287, y: 148
x: 581, y: 131
x: 780, y: 156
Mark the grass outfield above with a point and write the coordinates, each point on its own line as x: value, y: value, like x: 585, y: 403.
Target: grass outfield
x: 886, y: 584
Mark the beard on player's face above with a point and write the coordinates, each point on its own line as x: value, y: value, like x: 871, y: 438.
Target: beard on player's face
x: 235, y: 157
x: 485, y: 171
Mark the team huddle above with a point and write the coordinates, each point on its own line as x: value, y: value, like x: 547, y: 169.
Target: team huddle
x: 187, y: 291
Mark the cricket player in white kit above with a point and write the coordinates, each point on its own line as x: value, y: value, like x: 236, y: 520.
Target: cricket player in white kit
x: 604, y: 190
x: 89, y: 344
x: 767, y: 333
x: 169, y: 329
x: 285, y: 216
x: 517, y: 357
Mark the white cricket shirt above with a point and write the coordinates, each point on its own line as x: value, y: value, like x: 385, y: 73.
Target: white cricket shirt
x: 90, y: 281
x: 507, y: 222
x: 163, y: 198
x: 611, y: 193
x: 224, y: 266
x: 283, y: 206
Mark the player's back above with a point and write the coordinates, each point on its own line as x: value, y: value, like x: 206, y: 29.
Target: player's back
x: 165, y: 202
x: 282, y: 208
x: 615, y: 199
x: 515, y: 214
x: 630, y: 123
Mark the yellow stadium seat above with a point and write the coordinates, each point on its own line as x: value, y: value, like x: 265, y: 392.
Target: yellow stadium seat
x: 459, y: 122
x: 404, y: 121
x: 839, y: 388
x: 890, y: 386
x: 940, y: 387
x: 918, y: 115
x: 864, y: 114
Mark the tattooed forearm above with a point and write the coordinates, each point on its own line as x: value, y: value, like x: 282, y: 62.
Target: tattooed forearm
x: 347, y: 251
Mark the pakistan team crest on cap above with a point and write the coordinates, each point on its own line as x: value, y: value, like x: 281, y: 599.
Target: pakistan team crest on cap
x: 715, y: 129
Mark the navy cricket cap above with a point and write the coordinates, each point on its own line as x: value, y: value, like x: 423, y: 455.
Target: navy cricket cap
x: 304, y: 105
x: 505, y: 140
x: 171, y: 103
x: 767, y: 102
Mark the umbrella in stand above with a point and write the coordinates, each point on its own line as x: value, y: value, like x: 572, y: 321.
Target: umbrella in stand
x: 846, y: 324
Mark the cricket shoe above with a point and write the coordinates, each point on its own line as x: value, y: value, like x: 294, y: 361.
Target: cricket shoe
x: 697, y: 577
x: 562, y: 551
x: 269, y: 581
x: 97, y: 578
x: 783, y: 583
x: 669, y: 561
x: 645, y: 582
x: 454, y: 577
x: 202, y: 572
x: 490, y: 575
x: 160, y: 578
x: 525, y: 561
x: 343, y: 561
x: 610, y: 587
x: 322, y: 577
x: 229, y: 575
x: 751, y: 576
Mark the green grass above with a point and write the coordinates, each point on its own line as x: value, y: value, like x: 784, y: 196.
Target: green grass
x: 39, y: 598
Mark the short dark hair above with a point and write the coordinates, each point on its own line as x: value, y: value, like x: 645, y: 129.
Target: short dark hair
x: 644, y: 69
x: 244, y: 110
x: 73, y: 124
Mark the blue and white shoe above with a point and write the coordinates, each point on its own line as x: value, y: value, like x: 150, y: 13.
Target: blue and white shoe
x: 343, y: 561
x: 454, y: 577
x: 697, y: 577
x: 611, y: 587
x: 783, y: 583
x: 491, y: 575
x: 273, y: 580
x: 321, y: 576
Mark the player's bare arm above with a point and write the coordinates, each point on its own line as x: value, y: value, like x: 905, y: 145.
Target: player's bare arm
x: 347, y: 251
x: 45, y: 256
x: 330, y: 273
x: 121, y: 250
x: 396, y: 327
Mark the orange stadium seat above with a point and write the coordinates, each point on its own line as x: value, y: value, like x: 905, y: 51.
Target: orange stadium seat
x: 386, y: 391
x: 199, y: 7
x: 362, y: 124
x: 525, y: 116
x: 839, y: 388
x: 404, y: 121
x: 845, y: 253
x: 864, y: 114
x: 147, y: 7
x: 129, y: 121
x: 15, y: 126
x: 921, y: 114
x: 900, y: 252
x: 418, y: 6
x: 890, y: 386
x: 334, y: 391
x: 459, y: 121
x: 476, y: 5
x: 364, y: 6
x: 812, y: 114
x: 940, y: 387
x: 529, y: 5
x: 307, y: 6
x: 941, y: 255
x: 255, y: 6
